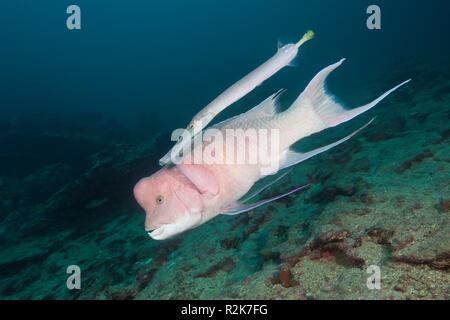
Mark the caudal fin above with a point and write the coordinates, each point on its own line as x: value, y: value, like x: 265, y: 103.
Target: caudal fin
x: 322, y: 108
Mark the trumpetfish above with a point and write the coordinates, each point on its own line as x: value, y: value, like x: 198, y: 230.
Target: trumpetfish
x: 281, y: 59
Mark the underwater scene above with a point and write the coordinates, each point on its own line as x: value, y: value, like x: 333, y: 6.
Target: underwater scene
x: 99, y: 198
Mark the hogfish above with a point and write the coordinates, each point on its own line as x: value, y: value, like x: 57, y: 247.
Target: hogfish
x: 184, y: 196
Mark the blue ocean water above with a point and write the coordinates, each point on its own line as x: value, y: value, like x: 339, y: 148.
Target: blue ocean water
x: 86, y: 113
x: 152, y: 56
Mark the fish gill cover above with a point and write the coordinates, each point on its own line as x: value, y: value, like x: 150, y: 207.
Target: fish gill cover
x: 87, y: 110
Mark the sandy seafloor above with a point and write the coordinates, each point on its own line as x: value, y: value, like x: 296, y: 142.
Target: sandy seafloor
x: 382, y: 198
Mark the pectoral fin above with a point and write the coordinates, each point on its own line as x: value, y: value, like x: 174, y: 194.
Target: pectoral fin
x: 203, y: 178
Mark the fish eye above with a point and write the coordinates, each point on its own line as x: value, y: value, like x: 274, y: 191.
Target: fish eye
x: 191, y: 126
x: 159, y: 199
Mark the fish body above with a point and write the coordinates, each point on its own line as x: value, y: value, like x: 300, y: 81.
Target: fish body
x: 186, y: 195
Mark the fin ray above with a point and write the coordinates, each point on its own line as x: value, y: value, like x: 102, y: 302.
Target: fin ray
x: 328, y: 110
x: 241, y: 208
x: 254, y: 194
x: 267, y: 108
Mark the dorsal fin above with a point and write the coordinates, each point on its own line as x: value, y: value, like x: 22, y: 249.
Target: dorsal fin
x: 267, y: 108
x: 279, y: 44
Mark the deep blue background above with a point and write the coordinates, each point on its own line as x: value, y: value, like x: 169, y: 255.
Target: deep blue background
x: 162, y: 61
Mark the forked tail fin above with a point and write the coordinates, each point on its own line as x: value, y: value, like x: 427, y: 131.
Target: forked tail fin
x: 321, y: 109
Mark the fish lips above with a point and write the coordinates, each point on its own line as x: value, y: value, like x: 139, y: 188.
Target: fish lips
x: 166, y: 231
x: 157, y: 234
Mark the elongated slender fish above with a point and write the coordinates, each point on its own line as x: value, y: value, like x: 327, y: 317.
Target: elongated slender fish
x: 184, y: 196
x: 281, y: 59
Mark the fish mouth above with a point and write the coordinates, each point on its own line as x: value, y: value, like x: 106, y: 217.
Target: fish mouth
x: 156, y: 233
x: 168, y: 230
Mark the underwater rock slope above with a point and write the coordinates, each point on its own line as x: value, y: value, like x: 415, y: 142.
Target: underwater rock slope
x: 382, y: 198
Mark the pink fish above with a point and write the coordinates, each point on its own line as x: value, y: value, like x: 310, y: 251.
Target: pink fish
x: 188, y: 194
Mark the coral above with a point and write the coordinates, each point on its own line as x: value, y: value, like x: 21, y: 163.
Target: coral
x: 226, y: 265
x: 285, y: 277
x: 381, y: 235
x: 445, y: 206
x: 409, y: 164
x: 124, y: 295
x: 230, y: 243
x: 440, y: 262
x: 329, y: 194
x: 144, y: 278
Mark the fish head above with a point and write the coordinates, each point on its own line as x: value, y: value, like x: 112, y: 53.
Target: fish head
x: 171, y: 202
